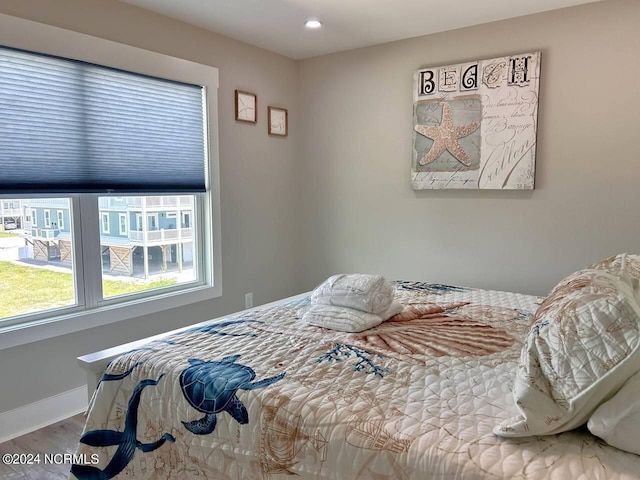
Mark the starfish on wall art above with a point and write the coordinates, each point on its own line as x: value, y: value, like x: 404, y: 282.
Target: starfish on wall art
x: 445, y: 137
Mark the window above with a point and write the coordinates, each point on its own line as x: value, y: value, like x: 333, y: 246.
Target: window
x: 104, y: 222
x: 152, y: 221
x: 50, y: 285
x: 122, y: 223
x: 128, y: 118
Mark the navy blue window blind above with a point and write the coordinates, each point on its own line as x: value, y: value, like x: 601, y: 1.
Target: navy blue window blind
x: 73, y: 127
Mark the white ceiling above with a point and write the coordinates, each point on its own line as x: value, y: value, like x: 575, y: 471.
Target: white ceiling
x: 278, y: 25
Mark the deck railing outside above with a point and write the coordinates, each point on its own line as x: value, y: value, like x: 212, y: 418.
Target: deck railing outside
x: 45, y: 233
x: 161, y: 236
x: 157, y: 202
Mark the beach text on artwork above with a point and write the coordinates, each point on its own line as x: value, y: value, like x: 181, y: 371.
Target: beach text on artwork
x: 474, y: 124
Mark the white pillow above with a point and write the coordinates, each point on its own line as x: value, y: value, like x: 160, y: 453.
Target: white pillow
x: 621, y: 263
x: 584, y: 344
x: 617, y: 421
x: 369, y: 293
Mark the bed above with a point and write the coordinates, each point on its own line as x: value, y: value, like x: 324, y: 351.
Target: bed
x: 262, y: 395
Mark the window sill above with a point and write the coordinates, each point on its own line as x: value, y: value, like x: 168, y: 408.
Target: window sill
x: 42, y: 329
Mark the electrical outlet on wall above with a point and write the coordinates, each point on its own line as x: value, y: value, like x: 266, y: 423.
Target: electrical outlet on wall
x: 248, y: 300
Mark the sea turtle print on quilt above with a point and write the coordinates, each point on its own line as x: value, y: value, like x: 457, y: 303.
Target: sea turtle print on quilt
x: 211, y: 387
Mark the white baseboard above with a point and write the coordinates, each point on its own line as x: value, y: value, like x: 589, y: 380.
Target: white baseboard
x: 42, y: 413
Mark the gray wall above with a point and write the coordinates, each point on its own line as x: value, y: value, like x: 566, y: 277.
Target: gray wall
x: 260, y: 249
x: 356, y: 114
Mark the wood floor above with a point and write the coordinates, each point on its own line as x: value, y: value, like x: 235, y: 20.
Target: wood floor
x: 59, y: 438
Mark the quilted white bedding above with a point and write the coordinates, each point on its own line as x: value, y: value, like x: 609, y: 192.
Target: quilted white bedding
x: 268, y: 396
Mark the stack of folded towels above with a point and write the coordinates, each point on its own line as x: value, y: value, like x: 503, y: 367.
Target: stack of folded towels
x: 352, y: 303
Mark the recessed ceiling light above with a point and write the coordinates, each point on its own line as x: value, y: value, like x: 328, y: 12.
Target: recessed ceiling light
x: 313, y: 23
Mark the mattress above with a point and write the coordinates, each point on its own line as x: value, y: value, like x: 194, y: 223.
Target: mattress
x: 265, y: 396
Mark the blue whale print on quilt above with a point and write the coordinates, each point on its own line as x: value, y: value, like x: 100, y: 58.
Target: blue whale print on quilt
x: 126, y: 441
x: 211, y: 388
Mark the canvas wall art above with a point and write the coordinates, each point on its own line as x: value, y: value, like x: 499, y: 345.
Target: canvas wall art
x: 474, y: 124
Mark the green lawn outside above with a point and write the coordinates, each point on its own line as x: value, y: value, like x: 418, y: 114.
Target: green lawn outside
x: 25, y: 289
x: 7, y: 234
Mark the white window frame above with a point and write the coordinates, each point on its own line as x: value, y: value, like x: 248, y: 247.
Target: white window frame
x: 47, y: 218
x: 92, y: 311
x: 125, y: 230
x: 34, y: 217
x: 60, y: 216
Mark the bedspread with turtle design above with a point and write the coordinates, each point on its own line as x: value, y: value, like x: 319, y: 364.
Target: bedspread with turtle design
x: 266, y: 396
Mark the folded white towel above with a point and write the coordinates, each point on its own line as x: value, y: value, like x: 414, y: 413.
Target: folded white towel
x: 368, y: 293
x: 340, y: 318
x: 345, y: 319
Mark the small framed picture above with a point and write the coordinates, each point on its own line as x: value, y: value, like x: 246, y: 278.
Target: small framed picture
x: 246, y: 107
x: 278, y: 121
